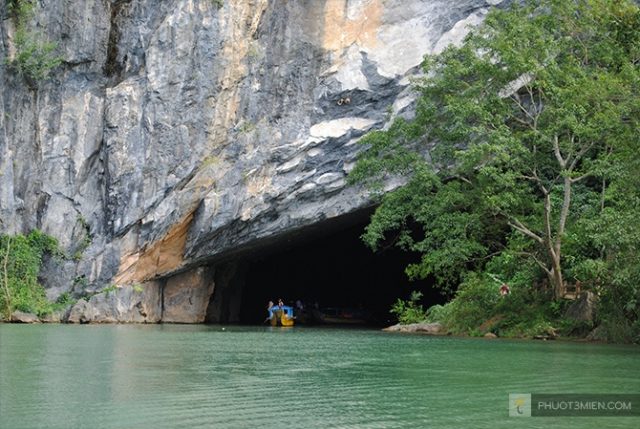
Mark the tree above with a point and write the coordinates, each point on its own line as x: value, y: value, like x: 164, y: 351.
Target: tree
x: 519, y: 135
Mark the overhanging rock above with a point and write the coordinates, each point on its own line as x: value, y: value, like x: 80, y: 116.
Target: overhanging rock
x: 178, y: 132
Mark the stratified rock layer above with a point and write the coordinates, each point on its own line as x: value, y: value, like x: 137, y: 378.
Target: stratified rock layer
x: 129, y: 304
x: 177, y: 131
x: 186, y: 297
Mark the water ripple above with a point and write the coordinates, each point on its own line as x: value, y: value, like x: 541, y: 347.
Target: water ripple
x: 196, y: 376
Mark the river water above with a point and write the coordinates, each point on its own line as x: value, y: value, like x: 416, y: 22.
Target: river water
x: 178, y: 376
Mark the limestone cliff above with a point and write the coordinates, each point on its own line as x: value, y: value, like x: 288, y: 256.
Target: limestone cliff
x: 179, y: 131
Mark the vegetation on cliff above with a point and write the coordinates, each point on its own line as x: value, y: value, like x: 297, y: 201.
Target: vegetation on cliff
x: 521, y: 168
x: 34, y: 56
x: 20, y: 261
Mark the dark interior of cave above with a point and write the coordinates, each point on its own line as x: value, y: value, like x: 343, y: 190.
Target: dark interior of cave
x: 332, y: 267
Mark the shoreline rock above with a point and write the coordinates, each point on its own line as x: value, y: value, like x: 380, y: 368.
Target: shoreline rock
x: 55, y: 317
x: 421, y: 328
x: 22, y: 317
x: 127, y: 304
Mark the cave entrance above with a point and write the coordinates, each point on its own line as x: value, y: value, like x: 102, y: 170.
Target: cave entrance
x: 327, y: 264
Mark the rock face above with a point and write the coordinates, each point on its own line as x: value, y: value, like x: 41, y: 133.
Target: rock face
x: 583, y: 309
x: 22, y: 317
x: 186, y: 297
x: 598, y: 334
x: 55, y: 317
x: 130, y: 304
x: 178, y: 132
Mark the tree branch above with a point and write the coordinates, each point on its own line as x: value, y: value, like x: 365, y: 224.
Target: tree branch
x: 564, y: 213
x: 524, y: 110
x: 577, y: 179
x: 490, y: 255
x: 517, y: 225
x: 535, y: 106
x: 556, y: 151
x: 547, y: 224
x: 579, y: 155
x: 537, y: 261
x: 535, y: 178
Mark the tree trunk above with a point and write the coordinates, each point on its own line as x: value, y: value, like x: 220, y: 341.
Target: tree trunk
x: 556, y: 279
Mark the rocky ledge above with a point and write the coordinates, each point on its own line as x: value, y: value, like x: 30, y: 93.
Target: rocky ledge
x: 421, y: 328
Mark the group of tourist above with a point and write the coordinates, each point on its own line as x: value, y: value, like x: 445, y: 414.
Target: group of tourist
x: 299, y: 304
x: 271, y: 305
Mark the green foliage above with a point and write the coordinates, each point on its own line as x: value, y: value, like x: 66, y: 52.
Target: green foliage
x: 473, y: 304
x: 455, y: 228
x: 34, y: 58
x: 87, y: 238
x: 20, y: 260
x: 138, y: 288
x: 246, y: 127
x: 521, y: 160
x: 109, y: 289
x: 218, y: 3
x: 209, y: 162
x: 81, y: 281
x: 64, y: 301
x: 409, y: 311
x: 479, y: 308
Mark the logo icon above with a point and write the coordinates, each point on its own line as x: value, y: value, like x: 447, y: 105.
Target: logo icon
x: 519, y: 404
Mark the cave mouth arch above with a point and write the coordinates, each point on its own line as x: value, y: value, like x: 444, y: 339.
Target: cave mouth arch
x: 326, y: 263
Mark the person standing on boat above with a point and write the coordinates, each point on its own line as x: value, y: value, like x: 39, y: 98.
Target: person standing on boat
x: 270, y: 311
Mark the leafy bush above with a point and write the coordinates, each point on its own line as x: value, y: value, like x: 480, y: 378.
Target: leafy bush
x: 618, y: 315
x: 526, y: 328
x: 20, y: 261
x: 409, y: 311
x: 34, y: 57
x: 479, y: 308
x: 473, y: 304
x: 439, y: 313
x: 87, y: 238
x: 107, y: 290
x: 65, y: 299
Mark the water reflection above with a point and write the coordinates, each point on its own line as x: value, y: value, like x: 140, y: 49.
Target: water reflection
x: 203, y: 376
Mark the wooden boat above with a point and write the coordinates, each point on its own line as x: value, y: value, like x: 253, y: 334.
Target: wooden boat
x: 281, y: 316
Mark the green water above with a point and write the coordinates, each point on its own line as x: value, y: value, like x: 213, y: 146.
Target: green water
x: 172, y: 376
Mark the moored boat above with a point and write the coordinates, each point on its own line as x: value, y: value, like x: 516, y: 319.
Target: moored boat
x: 281, y: 316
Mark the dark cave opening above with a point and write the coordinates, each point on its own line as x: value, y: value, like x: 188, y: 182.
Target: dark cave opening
x: 330, y: 266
